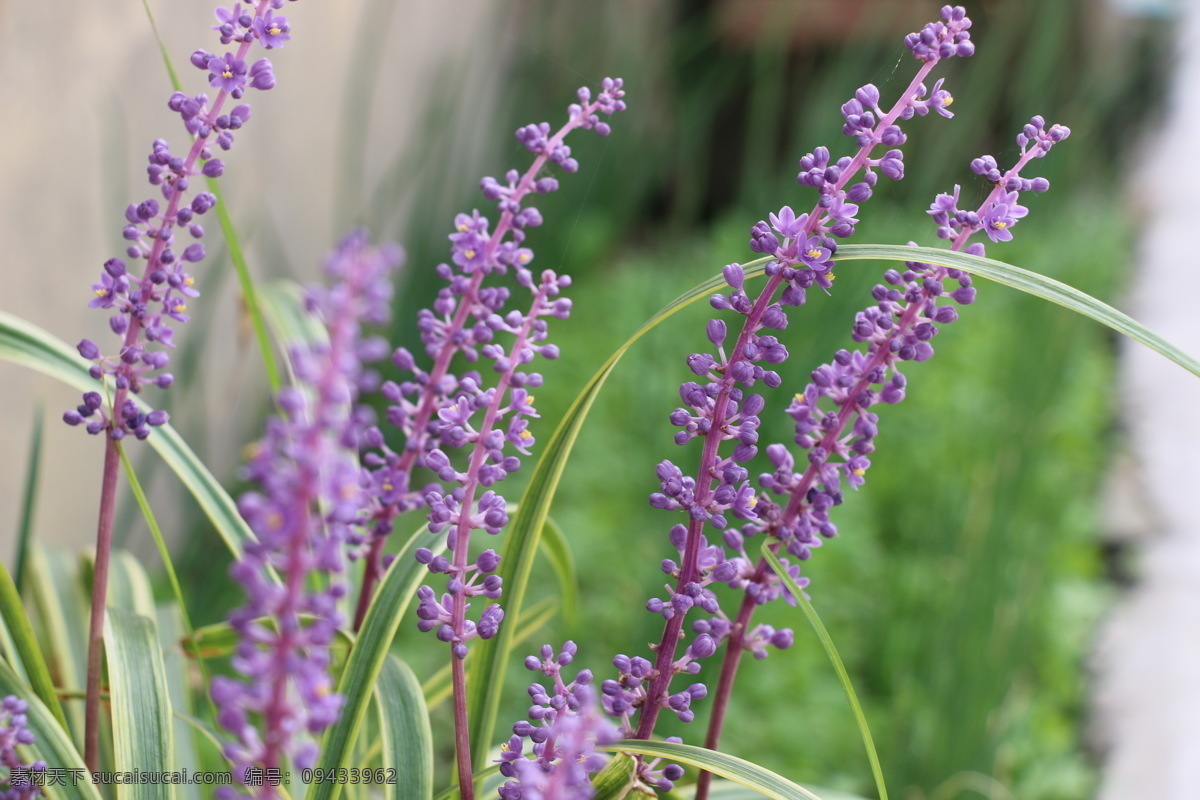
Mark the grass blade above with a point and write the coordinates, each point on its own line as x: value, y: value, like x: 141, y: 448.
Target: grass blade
x: 1030, y: 283
x: 735, y: 769
x: 370, y: 651
x: 26, y: 344
x: 25, y: 647
x: 28, y: 499
x: 558, y: 550
x: 53, y: 743
x: 811, y: 613
x: 141, y: 704
x: 62, y: 612
x: 165, y: 554
x: 404, y: 728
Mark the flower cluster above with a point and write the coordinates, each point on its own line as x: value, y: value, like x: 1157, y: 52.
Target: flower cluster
x: 20, y: 783
x: 148, y: 291
x: 563, y: 728
x: 439, y: 412
x: 312, y: 491
x: 721, y: 406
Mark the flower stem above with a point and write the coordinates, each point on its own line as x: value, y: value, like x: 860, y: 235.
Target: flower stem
x: 462, y: 735
x: 108, y: 492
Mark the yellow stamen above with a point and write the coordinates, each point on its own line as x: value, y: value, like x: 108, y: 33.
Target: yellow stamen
x: 813, y: 253
x: 189, y: 280
x: 102, y: 293
x: 831, y: 277
x: 753, y: 502
x: 179, y: 308
x: 525, y: 435
x: 227, y: 73
x: 798, y: 397
x: 274, y: 520
x: 462, y: 228
x: 275, y: 31
x: 529, y: 400
x: 387, y: 486
x: 469, y: 253
x: 1001, y: 225
x: 949, y: 101
x: 524, y: 258
x: 859, y: 472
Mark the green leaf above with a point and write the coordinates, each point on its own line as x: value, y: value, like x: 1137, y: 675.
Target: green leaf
x: 283, y: 307
x: 25, y: 654
x: 169, y: 622
x: 811, y: 613
x: 53, y: 744
x: 26, y: 344
x: 404, y: 725
x: 1030, y: 283
x: 616, y: 779
x: 735, y: 769
x: 558, y: 551
x: 141, y: 703
x: 370, y: 651
x: 28, y: 498
x: 231, y: 239
x: 62, y: 612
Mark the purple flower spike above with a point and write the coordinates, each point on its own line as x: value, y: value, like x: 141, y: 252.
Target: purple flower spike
x: 564, y: 727
x: 24, y: 780
x: 722, y: 403
x: 147, y: 300
x: 311, y: 494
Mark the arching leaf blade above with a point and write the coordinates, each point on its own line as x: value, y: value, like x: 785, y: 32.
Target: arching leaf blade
x: 1031, y: 283
x: 24, y: 343
x: 735, y: 769
x: 814, y: 620
x: 143, y: 738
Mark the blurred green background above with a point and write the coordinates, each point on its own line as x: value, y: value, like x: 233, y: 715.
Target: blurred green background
x: 970, y: 572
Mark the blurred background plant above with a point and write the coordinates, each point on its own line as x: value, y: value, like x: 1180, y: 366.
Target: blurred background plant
x: 970, y: 573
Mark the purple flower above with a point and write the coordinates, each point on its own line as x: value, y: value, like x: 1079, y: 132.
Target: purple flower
x: 563, y: 729
x: 227, y: 72
x: 146, y: 301
x: 1001, y: 216
x: 271, y: 30
x: 311, y: 496
x: 24, y: 780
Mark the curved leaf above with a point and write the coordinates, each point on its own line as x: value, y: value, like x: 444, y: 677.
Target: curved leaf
x: 735, y: 769
x: 26, y: 344
x: 141, y: 704
x: 558, y: 551
x: 616, y: 779
x: 811, y: 613
x: 369, y: 653
x: 404, y: 727
x: 62, y: 612
x: 53, y: 744
x: 282, y: 304
x: 25, y: 650
x: 1030, y: 283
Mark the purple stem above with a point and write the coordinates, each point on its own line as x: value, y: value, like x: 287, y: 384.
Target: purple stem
x: 108, y: 492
